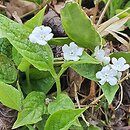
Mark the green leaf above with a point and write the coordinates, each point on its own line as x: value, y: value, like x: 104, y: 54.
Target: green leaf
x: 42, y: 85
x: 36, y: 20
x: 10, y: 96
x: 114, y: 5
x: 5, y: 47
x: 87, y: 70
x: 109, y: 91
x: 62, y: 102
x: 33, y: 109
x: 63, y: 119
x: 79, y: 27
x: 24, y: 65
x: 8, y: 72
x: 85, y: 58
x: 39, y: 56
x: 17, y: 57
x: 125, y: 55
x: 40, y: 81
x: 40, y: 125
x: 60, y: 41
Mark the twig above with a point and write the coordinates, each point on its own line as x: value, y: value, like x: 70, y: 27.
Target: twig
x: 2, y: 6
x: 77, y: 100
x: 121, y: 97
x: 104, y: 11
x: 96, y: 100
x: 16, y: 17
x: 124, y: 78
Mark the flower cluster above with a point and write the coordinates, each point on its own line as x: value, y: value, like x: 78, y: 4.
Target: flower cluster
x: 41, y: 35
x: 110, y: 73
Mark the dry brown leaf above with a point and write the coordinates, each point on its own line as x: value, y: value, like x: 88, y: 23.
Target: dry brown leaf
x: 115, y: 26
x: 74, y: 78
x: 106, y: 24
x: 20, y: 6
x: 92, y: 93
x: 58, y: 6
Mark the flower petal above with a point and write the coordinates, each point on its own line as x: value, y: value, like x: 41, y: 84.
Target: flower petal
x: 122, y: 60
x: 112, y: 81
x: 102, y: 81
x: 106, y: 60
x: 41, y: 42
x: 32, y: 38
x: 119, y: 74
x: 125, y: 67
x: 74, y: 58
x: 45, y: 29
x: 49, y: 37
x: 112, y: 72
x: 99, y: 75
x: 79, y: 51
x: 73, y: 45
x: 65, y: 48
x: 106, y: 69
x: 114, y: 60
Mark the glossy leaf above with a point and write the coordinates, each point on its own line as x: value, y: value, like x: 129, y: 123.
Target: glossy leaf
x: 33, y: 109
x: 10, y: 96
x: 8, y: 72
x: 78, y: 26
x: 17, y: 57
x: 87, y: 70
x: 5, y: 47
x: 39, y: 56
x: 62, y: 102
x: 109, y: 91
x: 36, y: 20
x: 63, y: 119
x: 125, y: 55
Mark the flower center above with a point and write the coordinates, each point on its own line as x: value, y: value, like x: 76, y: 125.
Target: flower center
x: 42, y: 37
x: 72, y: 53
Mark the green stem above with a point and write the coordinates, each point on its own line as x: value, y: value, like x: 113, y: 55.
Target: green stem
x: 62, y: 71
x: 57, y: 80
x: 28, y: 79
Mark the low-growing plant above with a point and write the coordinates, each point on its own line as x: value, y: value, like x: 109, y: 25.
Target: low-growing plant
x: 26, y: 48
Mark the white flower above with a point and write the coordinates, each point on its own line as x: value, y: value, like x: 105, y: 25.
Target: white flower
x: 107, y: 74
x: 41, y: 35
x: 100, y: 55
x: 120, y: 64
x: 72, y: 52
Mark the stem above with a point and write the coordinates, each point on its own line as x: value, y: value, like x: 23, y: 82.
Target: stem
x: 57, y: 80
x: 120, y: 98
x: 124, y: 78
x: 62, y: 71
x: 58, y: 63
x: 58, y: 59
x: 28, y: 79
